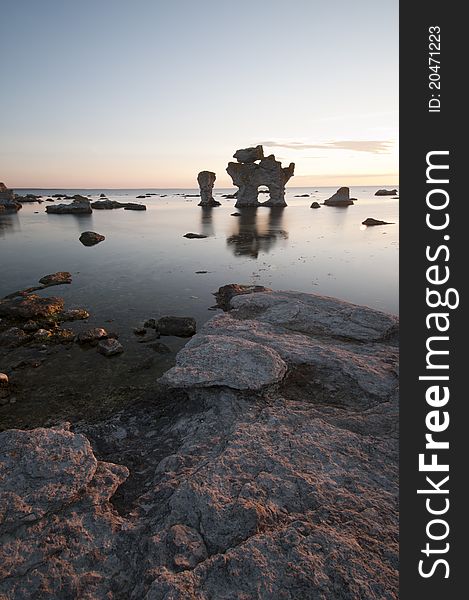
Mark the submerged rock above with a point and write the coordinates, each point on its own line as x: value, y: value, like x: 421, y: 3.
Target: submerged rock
x: 370, y: 222
x: 178, y: 326
x: 91, y: 238
x: 340, y: 198
x: 12, y: 337
x: 206, y: 180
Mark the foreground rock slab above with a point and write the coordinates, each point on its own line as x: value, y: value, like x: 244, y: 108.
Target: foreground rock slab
x: 235, y: 486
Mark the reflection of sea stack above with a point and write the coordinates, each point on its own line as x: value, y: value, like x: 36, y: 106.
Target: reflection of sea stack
x: 206, y: 180
x: 340, y: 198
x: 253, y: 236
x: 253, y: 170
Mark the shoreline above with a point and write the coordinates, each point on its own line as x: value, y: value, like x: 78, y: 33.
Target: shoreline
x: 274, y: 442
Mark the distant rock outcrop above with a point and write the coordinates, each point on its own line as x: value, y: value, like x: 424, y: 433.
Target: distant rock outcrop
x: 206, y: 181
x: 370, y: 222
x: 340, y: 198
x: 80, y: 205
x: 386, y: 193
x: 248, y: 175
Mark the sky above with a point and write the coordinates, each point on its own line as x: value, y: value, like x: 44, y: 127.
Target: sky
x: 147, y: 93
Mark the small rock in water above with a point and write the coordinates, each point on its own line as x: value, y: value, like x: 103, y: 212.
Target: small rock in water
x: 200, y: 272
x: 74, y: 314
x: 315, y: 205
x: 160, y: 348
x: 235, y: 214
x: 59, y: 278
x: 150, y: 323
x: 92, y: 336
x: 135, y: 206
x: 178, y: 326
x: 30, y: 326
x: 91, y: 238
x: 110, y: 347
x: 370, y: 222
x: 194, y: 236
x: 140, y: 330
x: 386, y: 193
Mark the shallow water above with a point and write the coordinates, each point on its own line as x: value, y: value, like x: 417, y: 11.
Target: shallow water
x: 145, y: 267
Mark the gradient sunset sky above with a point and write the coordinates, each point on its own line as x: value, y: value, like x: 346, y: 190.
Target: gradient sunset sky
x: 146, y: 93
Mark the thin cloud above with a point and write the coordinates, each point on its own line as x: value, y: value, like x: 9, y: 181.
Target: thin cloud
x: 372, y: 146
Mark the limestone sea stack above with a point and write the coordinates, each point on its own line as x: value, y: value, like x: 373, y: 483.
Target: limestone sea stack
x: 253, y: 170
x: 7, y: 199
x: 340, y: 198
x: 206, y: 181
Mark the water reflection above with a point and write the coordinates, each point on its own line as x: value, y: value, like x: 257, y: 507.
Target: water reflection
x: 9, y: 223
x: 254, y: 234
x: 206, y: 221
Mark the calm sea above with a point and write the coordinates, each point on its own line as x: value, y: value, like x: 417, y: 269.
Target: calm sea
x: 146, y: 268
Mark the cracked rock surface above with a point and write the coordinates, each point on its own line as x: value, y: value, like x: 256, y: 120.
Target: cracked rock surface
x: 265, y: 469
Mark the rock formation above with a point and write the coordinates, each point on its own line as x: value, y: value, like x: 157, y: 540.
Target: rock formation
x: 8, y: 199
x: 253, y: 170
x: 206, y: 180
x: 267, y: 469
x: 340, y: 198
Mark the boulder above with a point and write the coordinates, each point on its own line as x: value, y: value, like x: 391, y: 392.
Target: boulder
x: 370, y: 222
x: 315, y: 205
x: 80, y: 205
x: 340, y: 198
x: 386, y: 193
x: 206, y: 180
x: 91, y: 238
x: 178, y: 326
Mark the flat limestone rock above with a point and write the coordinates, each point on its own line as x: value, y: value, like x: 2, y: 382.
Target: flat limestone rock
x: 80, y: 205
x: 224, y: 361
x: 316, y: 315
